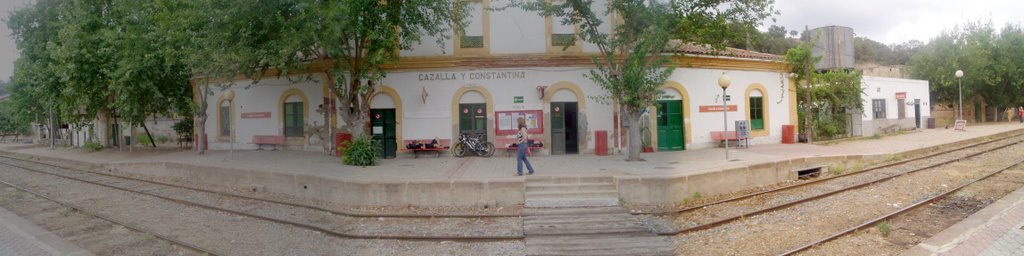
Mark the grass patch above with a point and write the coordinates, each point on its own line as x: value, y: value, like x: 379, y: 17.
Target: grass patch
x: 884, y: 228
x: 836, y: 169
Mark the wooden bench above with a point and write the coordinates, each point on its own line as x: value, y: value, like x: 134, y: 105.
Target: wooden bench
x: 273, y: 140
x: 509, y: 145
x: 729, y: 136
x: 442, y: 145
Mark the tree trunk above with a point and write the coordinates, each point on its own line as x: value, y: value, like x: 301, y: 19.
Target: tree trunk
x: 633, y: 134
x: 152, y: 141
x: 102, y: 127
x: 200, y: 120
x: 52, y: 135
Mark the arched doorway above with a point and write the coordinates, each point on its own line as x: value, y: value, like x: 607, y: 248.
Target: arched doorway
x: 669, y: 116
x: 564, y: 123
x: 385, y: 120
x: 472, y: 116
x: 566, y: 118
x: 294, y: 111
x: 670, y: 121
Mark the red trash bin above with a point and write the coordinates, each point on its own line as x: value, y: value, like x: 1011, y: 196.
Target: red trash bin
x: 206, y: 140
x: 601, y: 142
x: 788, y: 134
x: 339, y: 139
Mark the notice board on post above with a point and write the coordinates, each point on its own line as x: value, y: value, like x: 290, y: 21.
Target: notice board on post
x: 505, y: 122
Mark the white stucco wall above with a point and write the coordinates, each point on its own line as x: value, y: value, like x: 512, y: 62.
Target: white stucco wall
x: 434, y: 118
x: 514, y: 31
x: 264, y: 96
x: 886, y: 88
x: 703, y: 89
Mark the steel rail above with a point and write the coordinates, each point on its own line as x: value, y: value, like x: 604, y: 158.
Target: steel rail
x: 865, y: 171
x: 819, y: 196
x: 111, y: 220
x: 897, y: 212
x: 291, y: 223
x: 337, y: 212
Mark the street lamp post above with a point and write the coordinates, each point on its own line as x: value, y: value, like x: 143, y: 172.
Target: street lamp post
x: 960, y: 88
x: 724, y: 81
x: 230, y: 97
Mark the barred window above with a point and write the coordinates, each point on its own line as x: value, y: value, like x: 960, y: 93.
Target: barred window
x: 878, y: 107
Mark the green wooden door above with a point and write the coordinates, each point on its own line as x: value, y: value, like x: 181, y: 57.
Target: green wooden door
x: 670, y: 125
x: 382, y: 127
x: 473, y: 120
x: 756, y: 113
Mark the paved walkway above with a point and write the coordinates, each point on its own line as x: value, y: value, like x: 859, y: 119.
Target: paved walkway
x: 20, y: 237
x: 994, y: 230
x: 446, y: 167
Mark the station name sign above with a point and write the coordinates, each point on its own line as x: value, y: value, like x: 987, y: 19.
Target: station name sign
x: 716, y: 108
x: 472, y: 76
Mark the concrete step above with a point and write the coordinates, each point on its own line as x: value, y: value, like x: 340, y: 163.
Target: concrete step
x: 568, y: 179
x: 572, y: 194
x: 595, y: 228
x: 582, y: 211
x: 532, y: 187
x: 573, y: 202
x: 601, y: 242
x: 617, y: 217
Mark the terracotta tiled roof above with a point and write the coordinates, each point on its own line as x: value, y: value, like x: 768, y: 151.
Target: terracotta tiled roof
x: 675, y: 46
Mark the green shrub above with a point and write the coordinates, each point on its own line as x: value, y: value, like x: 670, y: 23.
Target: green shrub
x: 884, y: 228
x: 361, y: 151
x: 183, y: 127
x: 144, y: 139
x: 162, y: 139
x: 92, y: 146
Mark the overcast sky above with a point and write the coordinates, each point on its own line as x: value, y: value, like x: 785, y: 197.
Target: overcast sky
x: 886, y: 21
x: 895, y: 21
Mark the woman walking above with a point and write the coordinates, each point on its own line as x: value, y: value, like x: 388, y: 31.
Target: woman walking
x: 522, y: 145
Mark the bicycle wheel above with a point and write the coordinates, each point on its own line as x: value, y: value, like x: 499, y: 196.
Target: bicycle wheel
x: 488, y: 149
x: 458, y: 150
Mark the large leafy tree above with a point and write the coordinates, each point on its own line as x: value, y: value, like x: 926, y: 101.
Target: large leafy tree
x: 346, y: 43
x: 990, y: 58
x: 36, y: 90
x: 97, y: 58
x: 631, y: 64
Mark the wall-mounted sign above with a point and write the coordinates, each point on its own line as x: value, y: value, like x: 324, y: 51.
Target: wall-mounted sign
x: 716, y: 108
x: 472, y: 76
x: 507, y: 122
x: 255, y: 115
x: 517, y: 99
x: 728, y: 97
x: 901, y: 95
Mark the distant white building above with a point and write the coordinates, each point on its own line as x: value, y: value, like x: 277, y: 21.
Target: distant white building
x: 892, y: 104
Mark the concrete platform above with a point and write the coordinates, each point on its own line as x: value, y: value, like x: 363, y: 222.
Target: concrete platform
x: 994, y: 230
x: 663, y: 178
x: 20, y: 237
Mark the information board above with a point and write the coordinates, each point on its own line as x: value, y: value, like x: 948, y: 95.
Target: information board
x: 506, y: 122
x: 960, y: 125
x: 742, y: 129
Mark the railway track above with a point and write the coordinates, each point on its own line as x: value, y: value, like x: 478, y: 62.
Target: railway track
x: 409, y: 227
x: 102, y: 227
x: 898, y: 212
x: 721, y: 212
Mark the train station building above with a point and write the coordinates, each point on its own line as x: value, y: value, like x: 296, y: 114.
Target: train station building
x: 482, y: 84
